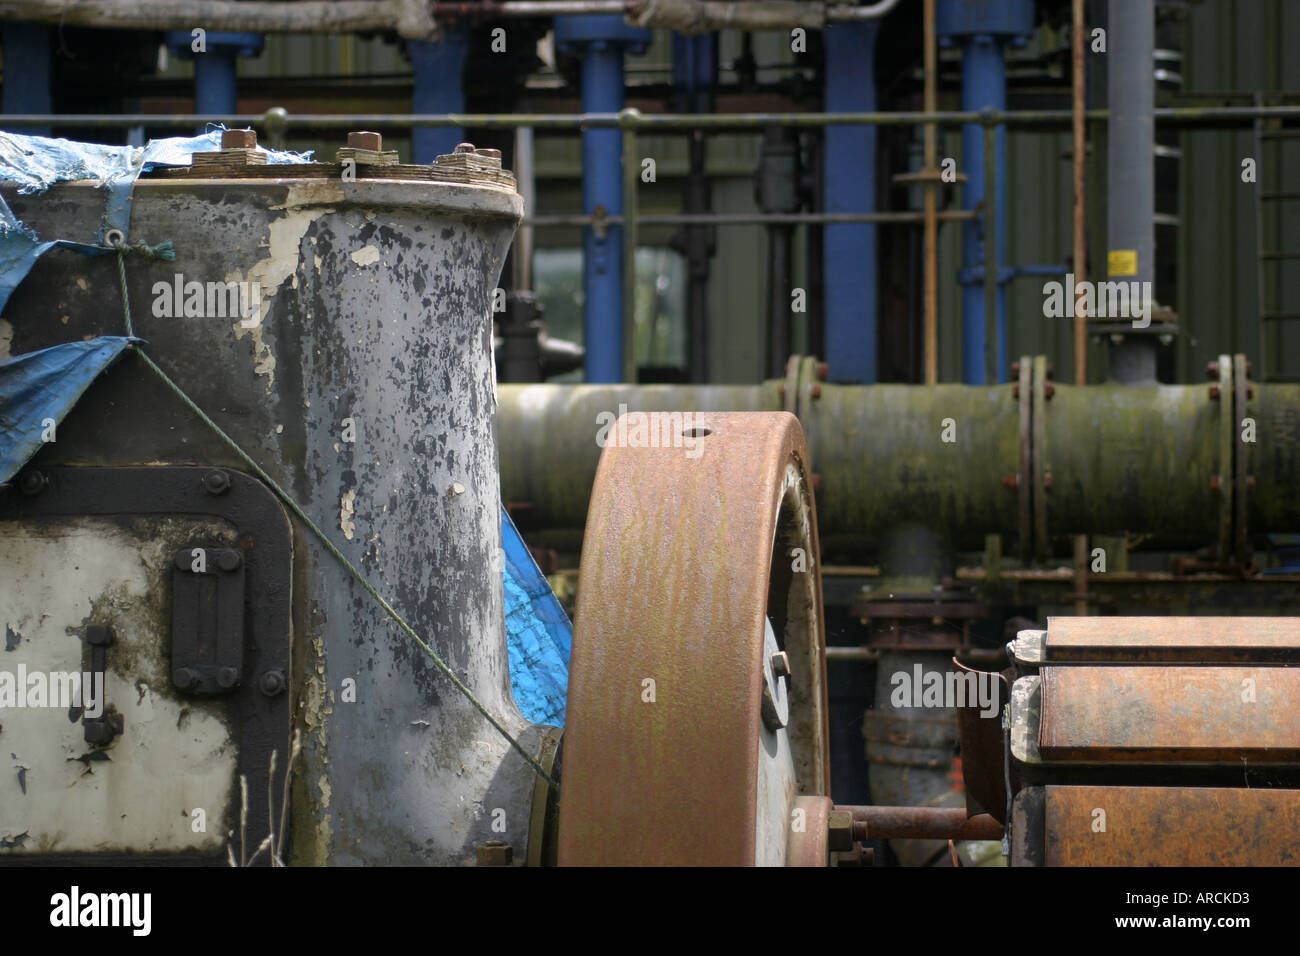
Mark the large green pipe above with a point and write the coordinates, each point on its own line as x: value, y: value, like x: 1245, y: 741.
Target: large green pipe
x: 1120, y: 458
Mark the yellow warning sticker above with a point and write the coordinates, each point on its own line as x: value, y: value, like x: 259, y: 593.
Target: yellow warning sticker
x: 1122, y: 262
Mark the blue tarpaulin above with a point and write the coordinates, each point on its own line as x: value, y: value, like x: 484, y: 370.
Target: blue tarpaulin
x: 37, y: 389
x: 538, y: 633
x: 40, y: 388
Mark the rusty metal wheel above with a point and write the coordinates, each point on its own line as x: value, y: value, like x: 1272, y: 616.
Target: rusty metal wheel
x: 697, y: 690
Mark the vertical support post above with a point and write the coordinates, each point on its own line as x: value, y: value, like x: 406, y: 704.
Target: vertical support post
x: 439, y: 67
x: 1131, y: 187
x: 984, y: 28
x: 601, y: 42
x: 849, y: 257
x: 1080, y: 259
x: 931, y: 203
x: 994, y: 330
x: 27, y: 73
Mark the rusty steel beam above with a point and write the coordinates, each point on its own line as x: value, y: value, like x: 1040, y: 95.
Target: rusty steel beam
x: 1165, y: 826
x: 1176, y: 714
x: 921, y: 823
x: 1201, y: 640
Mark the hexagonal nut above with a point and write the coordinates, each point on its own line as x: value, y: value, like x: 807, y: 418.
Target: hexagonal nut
x: 238, y: 139
x: 495, y: 853
x: 366, y: 140
x: 839, y: 831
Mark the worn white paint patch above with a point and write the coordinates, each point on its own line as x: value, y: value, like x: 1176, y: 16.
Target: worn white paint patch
x: 366, y: 256
x: 81, y: 284
x: 6, y: 337
x: 173, y: 756
x: 346, y: 505
x: 325, y: 792
x: 303, y: 205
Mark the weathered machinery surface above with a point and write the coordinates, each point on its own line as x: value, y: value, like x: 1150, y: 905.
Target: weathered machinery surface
x: 364, y: 385
x: 1157, y: 742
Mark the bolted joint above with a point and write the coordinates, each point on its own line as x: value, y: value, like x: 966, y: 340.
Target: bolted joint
x: 366, y: 140
x: 238, y: 139
x: 839, y: 831
x: 1211, y: 370
x: 1214, y: 393
x: 1011, y: 482
x: 1216, y: 485
x: 495, y: 853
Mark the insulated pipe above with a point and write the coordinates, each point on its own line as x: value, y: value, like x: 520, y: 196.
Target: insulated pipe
x: 849, y: 250
x: 1133, y: 458
x: 601, y: 42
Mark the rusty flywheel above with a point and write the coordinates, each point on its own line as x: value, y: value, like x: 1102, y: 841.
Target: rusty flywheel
x: 696, y: 730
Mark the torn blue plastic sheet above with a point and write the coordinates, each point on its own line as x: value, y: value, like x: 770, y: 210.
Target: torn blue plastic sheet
x: 37, y: 162
x: 538, y: 634
x: 38, y: 389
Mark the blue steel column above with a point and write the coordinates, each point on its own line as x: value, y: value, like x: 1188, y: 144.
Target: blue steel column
x: 27, y: 73
x: 983, y: 27
x: 439, y: 68
x: 849, y: 257
x: 601, y: 41
x: 215, y: 77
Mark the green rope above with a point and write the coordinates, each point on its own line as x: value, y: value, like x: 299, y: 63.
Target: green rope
x: 324, y: 540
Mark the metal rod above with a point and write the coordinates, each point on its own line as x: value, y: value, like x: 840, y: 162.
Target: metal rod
x: 921, y: 823
x: 991, y: 264
x: 751, y: 219
x: 492, y: 9
x: 1182, y: 116
x: 1079, y: 166
x: 522, y: 250
x: 931, y: 350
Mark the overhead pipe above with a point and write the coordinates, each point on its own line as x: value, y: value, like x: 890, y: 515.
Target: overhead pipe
x: 882, y: 460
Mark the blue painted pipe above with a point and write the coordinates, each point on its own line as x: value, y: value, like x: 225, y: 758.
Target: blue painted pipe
x: 849, y: 249
x: 601, y: 41
x: 439, y: 69
x: 216, y: 83
x: 983, y: 84
x: 602, y: 185
x: 983, y: 27
x: 27, y: 73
